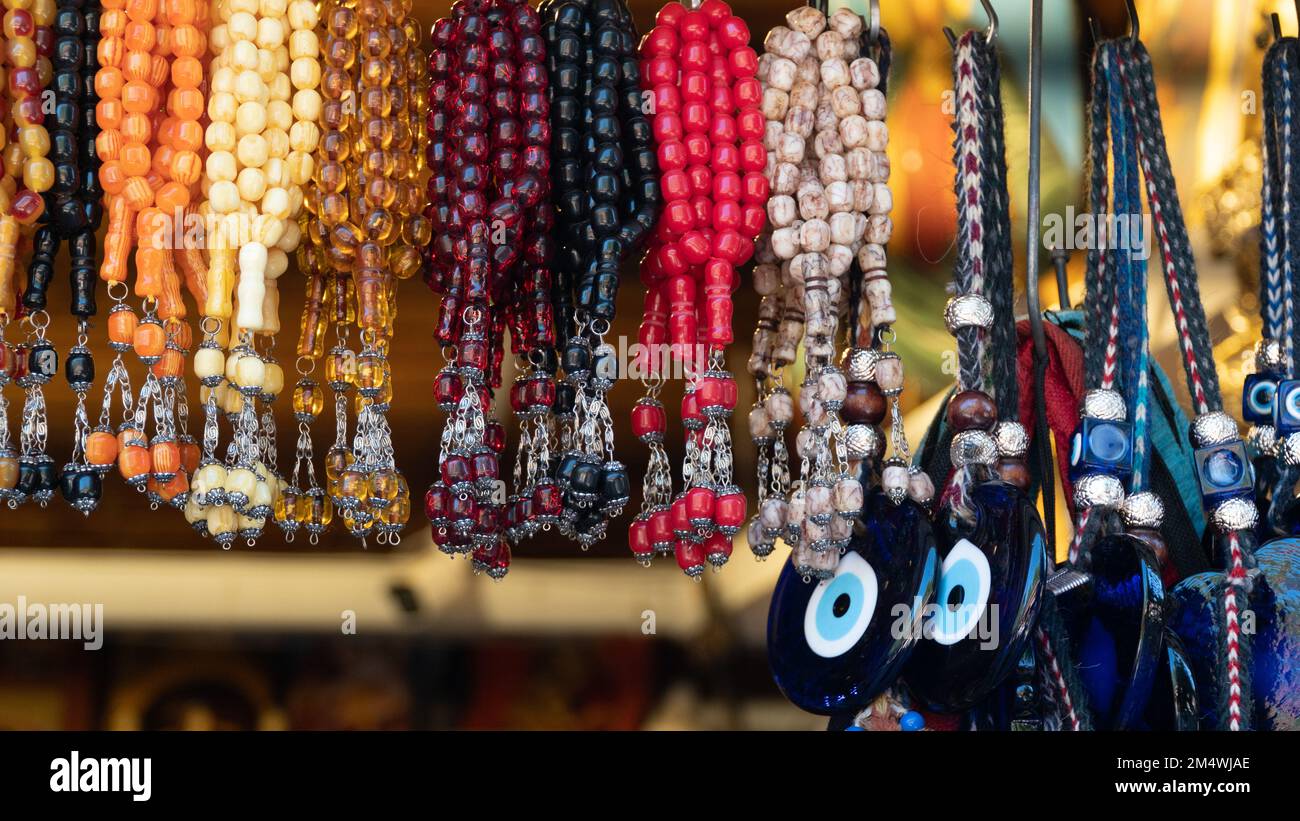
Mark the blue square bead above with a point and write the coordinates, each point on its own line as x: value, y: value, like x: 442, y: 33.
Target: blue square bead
x: 1286, y: 407
x: 1258, y: 397
x: 1224, y: 471
x: 1101, y: 446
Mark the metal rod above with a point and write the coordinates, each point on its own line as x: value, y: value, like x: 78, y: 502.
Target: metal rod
x: 1047, y: 479
x: 1060, y: 258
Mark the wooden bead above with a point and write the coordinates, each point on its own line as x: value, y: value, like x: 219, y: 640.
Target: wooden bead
x: 864, y: 404
x: 972, y: 410
x: 1014, y: 470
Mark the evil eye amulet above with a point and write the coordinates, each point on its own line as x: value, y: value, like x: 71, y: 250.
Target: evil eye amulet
x: 1286, y: 407
x: 990, y: 588
x: 1116, y: 626
x: 1224, y: 471
x: 1258, y: 398
x: 832, y: 646
x: 1101, y: 446
x: 1274, y: 608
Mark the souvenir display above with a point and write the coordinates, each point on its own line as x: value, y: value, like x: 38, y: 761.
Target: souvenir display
x: 705, y: 101
x: 516, y: 167
x: 991, y: 544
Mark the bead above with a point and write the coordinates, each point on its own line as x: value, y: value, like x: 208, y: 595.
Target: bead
x: 971, y: 410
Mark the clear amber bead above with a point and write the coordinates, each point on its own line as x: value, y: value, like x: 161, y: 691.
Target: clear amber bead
x: 384, y: 487
x: 315, y: 510
x: 287, y: 506
x: 308, y: 400
x: 337, y: 460
x: 372, y: 373
x: 341, y: 368
x: 354, y: 484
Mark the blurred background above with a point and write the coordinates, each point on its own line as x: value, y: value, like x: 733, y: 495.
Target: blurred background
x: 336, y: 636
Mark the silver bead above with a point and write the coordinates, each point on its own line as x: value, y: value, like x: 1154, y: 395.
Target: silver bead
x: 1011, y: 438
x: 1235, y: 514
x: 1143, y: 510
x: 1214, y: 428
x: 1105, y: 404
x: 1269, y: 355
x: 862, y: 365
x: 860, y: 441
x: 967, y: 311
x: 1288, y: 450
x: 1262, y: 439
x: 973, y: 447
x: 1100, y: 490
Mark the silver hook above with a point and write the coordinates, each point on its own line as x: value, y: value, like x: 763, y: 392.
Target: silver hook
x: 873, y: 30
x: 1134, y: 25
x: 990, y: 34
x: 993, y: 19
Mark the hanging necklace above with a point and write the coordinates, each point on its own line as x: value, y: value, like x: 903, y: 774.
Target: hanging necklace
x: 832, y: 648
x: 72, y: 214
x: 701, y: 78
x: 1221, y: 462
x: 1212, y: 609
x: 28, y: 50
x: 1119, y: 603
x: 604, y: 177
x: 989, y: 535
x: 488, y: 197
x: 1272, y: 425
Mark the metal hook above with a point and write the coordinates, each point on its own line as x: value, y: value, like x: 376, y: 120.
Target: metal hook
x: 993, y: 20
x: 873, y: 30
x: 1134, y: 25
x: 990, y: 34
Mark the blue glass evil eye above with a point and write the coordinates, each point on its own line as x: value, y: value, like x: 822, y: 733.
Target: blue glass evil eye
x: 1108, y: 442
x: 840, y: 611
x: 964, y: 586
x: 1257, y: 399
x: 1286, y: 407
x: 1223, y: 468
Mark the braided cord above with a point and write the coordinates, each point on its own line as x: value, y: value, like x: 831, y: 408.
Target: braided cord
x: 1099, y: 304
x: 1272, y: 288
x: 1131, y: 275
x: 968, y: 275
x: 999, y: 264
x: 1175, y: 248
x: 1194, y: 341
x: 1286, y: 79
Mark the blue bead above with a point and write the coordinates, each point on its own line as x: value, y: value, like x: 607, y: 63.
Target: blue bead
x: 1101, y: 446
x: 1224, y: 471
x: 1258, y: 397
x: 1286, y: 407
x: 1109, y: 442
x: 853, y: 728
x: 912, y: 721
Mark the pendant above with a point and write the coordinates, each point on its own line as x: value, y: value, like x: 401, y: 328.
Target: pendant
x: 835, y: 645
x: 1117, y: 625
x: 990, y: 587
x: 1273, y: 613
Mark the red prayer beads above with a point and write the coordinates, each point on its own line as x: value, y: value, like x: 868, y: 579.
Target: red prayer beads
x: 700, y: 71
